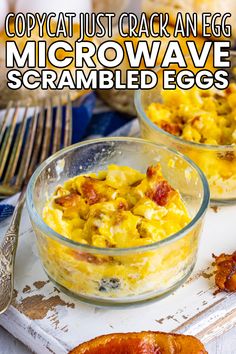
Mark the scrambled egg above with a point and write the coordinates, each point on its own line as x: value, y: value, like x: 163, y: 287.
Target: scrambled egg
x: 117, y: 208
x: 205, y: 117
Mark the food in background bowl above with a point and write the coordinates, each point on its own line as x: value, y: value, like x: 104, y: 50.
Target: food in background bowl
x: 120, y: 236
x: 200, y: 124
x: 142, y: 343
x: 201, y: 116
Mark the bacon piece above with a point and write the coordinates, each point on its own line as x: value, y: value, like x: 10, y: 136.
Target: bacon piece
x: 227, y: 156
x: 89, y: 191
x: 142, y: 343
x: 135, y: 184
x: 172, y: 128
x: 151, y: 171
x: 229, y: 90
x: 154, y: 172
x: 195, y: 120
x: 225, y: 277
x: 87, y: 257
x: 160, y: 194
x: 123, y: 205
x: 71, y: 200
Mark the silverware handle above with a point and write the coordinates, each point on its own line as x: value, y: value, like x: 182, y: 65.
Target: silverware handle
x: 7, y: 255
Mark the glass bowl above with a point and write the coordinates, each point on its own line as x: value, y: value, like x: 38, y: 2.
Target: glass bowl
x: 135, y: 274
x: 218, y: 162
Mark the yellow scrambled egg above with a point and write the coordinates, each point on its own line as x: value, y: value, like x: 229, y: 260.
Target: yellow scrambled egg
x: 117, y: 208
x: 205, y: 117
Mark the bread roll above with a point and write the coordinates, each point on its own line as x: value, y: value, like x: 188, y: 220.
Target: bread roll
x: 123, y: 100
x: 172, y: 7
x: 116, y: 6
x: 4, y: 9
x: 36, y: 96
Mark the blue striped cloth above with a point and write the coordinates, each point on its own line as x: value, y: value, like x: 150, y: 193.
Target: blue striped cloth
x: 91, y: 119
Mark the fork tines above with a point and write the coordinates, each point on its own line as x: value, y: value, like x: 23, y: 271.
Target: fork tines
x: 27, y: 137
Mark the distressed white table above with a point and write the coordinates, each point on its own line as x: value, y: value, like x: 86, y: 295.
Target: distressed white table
x: 225, y: 344
x: 62, y: 323
x: 48, y: 321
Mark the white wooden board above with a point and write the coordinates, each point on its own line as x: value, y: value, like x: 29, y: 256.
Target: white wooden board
x: 50, y: 322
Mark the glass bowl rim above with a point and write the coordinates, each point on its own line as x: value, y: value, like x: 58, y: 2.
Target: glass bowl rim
x: 42, y: 226
x: 144, y: 117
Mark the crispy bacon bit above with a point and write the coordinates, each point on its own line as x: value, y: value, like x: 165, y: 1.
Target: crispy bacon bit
x: 123, y: 206
x: 215, y: 209
x: 89, y: 192
x: 135, y: 184
x: 151, y: 171
x: 71, y: 200
x: 229, y: 90
x: 109, y: 244
x: 195, y: 120
x: 142, y: 343
x: 225, y: 277
x: 87, y: 257
x: 205, y: 93
x: 161, y: 193
x: 228, y: 156
x: 172, y: 128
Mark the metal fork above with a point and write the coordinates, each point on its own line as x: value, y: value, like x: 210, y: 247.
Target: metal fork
x: 20, y: 153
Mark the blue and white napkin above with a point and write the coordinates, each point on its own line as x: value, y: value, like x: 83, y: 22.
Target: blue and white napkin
x: 92, y: 119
